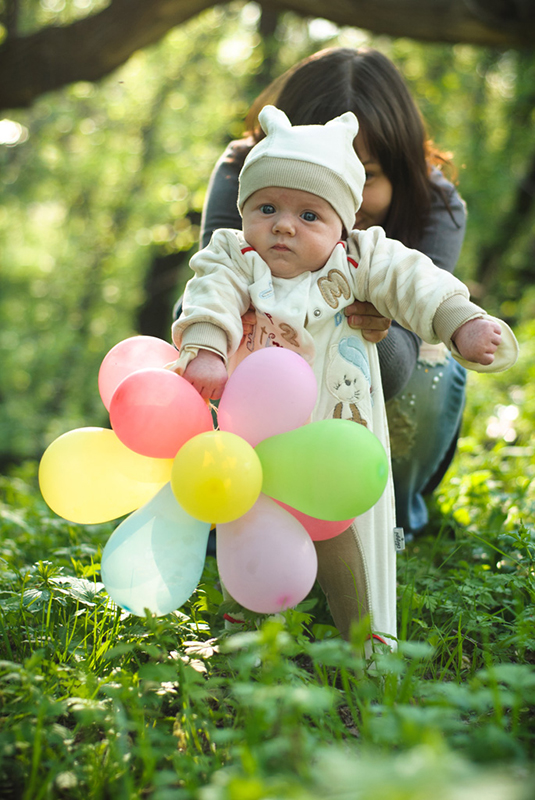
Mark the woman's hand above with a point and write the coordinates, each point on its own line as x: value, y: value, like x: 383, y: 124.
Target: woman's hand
x: 365, y: 317
x: 248, y: 321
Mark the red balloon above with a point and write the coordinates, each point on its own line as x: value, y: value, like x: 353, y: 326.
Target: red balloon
x: 155, y: 411
x: 131, y: 355
x: 318, y: 529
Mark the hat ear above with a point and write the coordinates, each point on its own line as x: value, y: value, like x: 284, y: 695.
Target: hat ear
x: 347, y: 120
x: 271, y: 118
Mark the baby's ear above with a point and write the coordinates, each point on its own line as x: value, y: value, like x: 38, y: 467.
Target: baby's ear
x: 271, y: 118
x: 347, y: 120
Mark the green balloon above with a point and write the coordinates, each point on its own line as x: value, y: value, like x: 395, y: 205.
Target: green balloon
x: 333, y: 469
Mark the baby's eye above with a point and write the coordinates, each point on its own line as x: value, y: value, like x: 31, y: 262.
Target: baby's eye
x: 267, y: 208
x: 309, y: 216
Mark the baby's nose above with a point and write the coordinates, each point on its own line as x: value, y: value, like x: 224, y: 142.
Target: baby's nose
x: 284, y: 224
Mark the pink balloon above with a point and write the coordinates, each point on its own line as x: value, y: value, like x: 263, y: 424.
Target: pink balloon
x: 155, y: 411
x: 128, y: 356
x: 271, y: 391
x: 266, y: 559
x: 317, y: 529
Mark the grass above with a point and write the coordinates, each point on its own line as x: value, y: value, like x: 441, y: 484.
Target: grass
x: 95, y: 703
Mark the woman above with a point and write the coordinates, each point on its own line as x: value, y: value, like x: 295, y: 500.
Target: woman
x: 407, y: 194
x: 409, y: 197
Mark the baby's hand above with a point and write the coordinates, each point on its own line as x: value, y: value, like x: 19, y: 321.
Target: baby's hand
x: 477, y: 340
x: 207, y: 373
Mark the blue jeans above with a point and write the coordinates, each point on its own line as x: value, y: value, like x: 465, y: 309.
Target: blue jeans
x: 424, y: 422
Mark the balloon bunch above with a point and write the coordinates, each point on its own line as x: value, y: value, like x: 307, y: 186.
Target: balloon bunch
x: 269, y: 481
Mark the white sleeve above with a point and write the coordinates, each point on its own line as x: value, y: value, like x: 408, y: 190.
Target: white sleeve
x: 402, y: 284
x: 217, y: 296
x: 405, y: 285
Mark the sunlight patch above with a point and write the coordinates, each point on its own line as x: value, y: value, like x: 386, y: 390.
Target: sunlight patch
x: 12, y: 133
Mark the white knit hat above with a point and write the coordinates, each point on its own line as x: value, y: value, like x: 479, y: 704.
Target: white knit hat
x: 320, y: 159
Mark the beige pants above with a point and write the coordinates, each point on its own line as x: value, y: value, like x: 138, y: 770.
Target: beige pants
x: 342, y: 577
x: 357, y: 572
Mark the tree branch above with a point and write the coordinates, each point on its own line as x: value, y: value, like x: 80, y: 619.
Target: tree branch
x: 453, y: 21
x: 88, y: 49
x: 91, y: 48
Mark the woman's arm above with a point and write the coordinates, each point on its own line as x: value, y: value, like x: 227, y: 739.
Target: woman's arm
x: 220, y: 207
x: 398, y: 354
x: 443, y: 235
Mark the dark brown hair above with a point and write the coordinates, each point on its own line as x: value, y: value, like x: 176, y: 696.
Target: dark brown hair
x: 366, y: 82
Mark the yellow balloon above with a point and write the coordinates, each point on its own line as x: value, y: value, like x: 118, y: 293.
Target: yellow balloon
x: 89, y: 476
x: 216, y: 476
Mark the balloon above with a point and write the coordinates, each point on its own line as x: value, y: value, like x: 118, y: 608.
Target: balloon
x: 155, y: 558
x: 154, y: 412
x: 216, y: 476
x: 317, y: 529
x: 271, y: 391
x: 333, y: 469
x: 266, y: 559
x: 128, y: 356
x: 89, y: 476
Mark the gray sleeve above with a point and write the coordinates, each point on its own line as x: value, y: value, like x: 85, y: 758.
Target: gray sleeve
x: 441, y: 240
x: 220, y: 207
x: 398, y: 354
x: 443, y: 234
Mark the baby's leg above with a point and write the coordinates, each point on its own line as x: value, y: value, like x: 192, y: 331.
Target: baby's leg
x: 342, y: 578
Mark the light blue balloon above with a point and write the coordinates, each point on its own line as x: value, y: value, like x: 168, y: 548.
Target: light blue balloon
x: 155, y: 558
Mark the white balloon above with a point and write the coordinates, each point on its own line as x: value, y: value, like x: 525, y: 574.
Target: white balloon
x: 156, y: 556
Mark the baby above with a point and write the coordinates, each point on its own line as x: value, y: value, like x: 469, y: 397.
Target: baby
x: 298, y: 263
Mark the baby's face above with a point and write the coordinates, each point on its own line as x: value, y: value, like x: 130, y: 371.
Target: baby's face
x: 293, y: 231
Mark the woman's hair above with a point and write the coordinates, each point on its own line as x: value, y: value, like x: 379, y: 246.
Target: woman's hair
x: 366, y: 82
